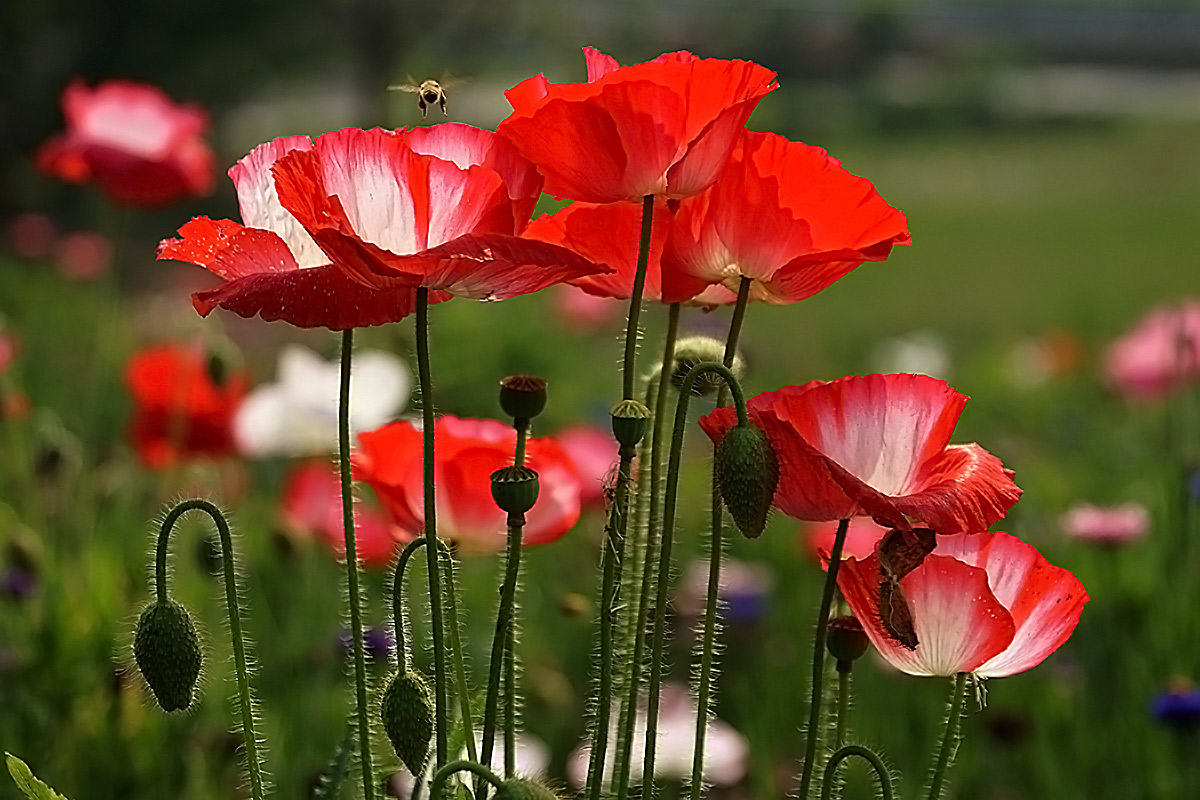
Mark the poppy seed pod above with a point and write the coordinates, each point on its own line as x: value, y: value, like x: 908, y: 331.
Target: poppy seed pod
x: 846, y: 641
x: 629, y: 421
x: 515, y: 489
x: 408, y: 719
x: 166, y: 648
x: 523, y: 396
x: 694, y: 350
x: 747, y: 473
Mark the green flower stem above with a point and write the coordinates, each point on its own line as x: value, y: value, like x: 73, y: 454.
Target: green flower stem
x: 716, y: 553
x: 437, y: 786
x: 510, y: 702
x: 245, y: 701
x: 635, y: 297
x: 843, y: 702
x: 818, y: 669
x: 355, y: 598
x: 399, y: 617
x: 637, y: 632
x: 460, y: 667
x: 840, y: 755
x: 949, y: 736
x: 504, y: 621
x: 664, y: 564
x: 431, y: 550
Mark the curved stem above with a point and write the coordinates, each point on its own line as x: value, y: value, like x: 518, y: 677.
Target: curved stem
x: 664, y: 563
x: 245, y: 700
x: 841, y: 754
x: 635, y: 298
x: 843, y: 703
x: 949, y: 735
x: 431, y: 550
x: 628, y: 720
x: 818, y: 669
x: 399, y: 618
x: 508, y: 591
x: 444, y: 773
x: 355, y: 599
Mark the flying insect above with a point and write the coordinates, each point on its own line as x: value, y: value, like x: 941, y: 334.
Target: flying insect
x: 429, y: 92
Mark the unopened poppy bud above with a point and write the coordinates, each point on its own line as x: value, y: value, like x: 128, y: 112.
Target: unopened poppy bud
x: 523, y: 396
x: 408, y: 719
x: 846, y: 640
x: 747, y: 473
x: 166, y: 648
x: 629, y: 421
x: 693, y: 350
x: 521, y: 789
x: 515, y: 489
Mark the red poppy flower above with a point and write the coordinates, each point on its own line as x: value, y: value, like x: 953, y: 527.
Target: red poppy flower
x: 312, y: 506
x: 141, y: 148
x: 862, y: 535
x: 608, y: 233
x: 179, y: 411
x: 344, y: 228
x: 1159, y: 355
x: 986, y: 603
x: 877, y: 446
x: 784, y: 214
x: 665, y: 127
x: 468, y: 452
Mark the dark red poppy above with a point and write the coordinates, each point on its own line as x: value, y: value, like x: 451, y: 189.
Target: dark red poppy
x: 312, y: 506
x: 139, y: 146
x: 179, y: 410
x: 341, y: 230
x: 784, y: 214
x: 877, y: 446
x: 664, y: 127
x: 468, y: 452
x: 985, y: 603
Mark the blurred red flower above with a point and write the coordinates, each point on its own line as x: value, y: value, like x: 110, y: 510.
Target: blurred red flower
x: 664, y: 127
x: 468, y: 452
x: 1114, y: 525
x: 593, y: 451
x: 312, y: 506
x: 985, y: 603
x: 1159, y: 355
x: 9, y: 346
x: 862, y: 536
x: 139, y: 146
x: 877, y: 446
x: 784, y: 214
x: 341, y: 230
x: 83, y: 255
x: 179, y: 410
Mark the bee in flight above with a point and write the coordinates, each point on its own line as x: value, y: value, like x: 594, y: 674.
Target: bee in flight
x: 428, y: 92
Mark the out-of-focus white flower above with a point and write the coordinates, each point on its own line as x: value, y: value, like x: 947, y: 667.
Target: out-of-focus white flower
x: 725, y: 750
x: 917, y: 353
x: 298, y: 415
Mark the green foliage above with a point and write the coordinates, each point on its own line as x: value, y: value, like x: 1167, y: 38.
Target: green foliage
x: 33, y: 788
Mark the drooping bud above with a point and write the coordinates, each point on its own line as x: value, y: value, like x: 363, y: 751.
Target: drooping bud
x: 407, y: 714
x: 522, y: 789
x: 629, y: 420
x: 846, y: 641
x: 693, y: 350
x: 747, y: 473
x: 523, y: 396
x: 515, y: 489
x: 166, y: 648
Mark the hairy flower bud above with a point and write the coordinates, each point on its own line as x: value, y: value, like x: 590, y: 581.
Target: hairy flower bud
x: 523, y: 396
x: 408, y: 719
x: 167, y: 650
x: 747, y: 473
x: 693, y: 350
x: 515, y: 489
x: 629, y: 421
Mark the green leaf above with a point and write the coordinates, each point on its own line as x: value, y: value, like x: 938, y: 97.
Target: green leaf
x: 27, y: 783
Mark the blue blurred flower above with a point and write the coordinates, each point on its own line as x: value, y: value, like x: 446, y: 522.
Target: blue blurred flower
x: 378, y: 644
x: 1178, y: 707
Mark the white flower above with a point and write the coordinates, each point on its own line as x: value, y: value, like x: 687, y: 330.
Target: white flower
x: 298, y: 416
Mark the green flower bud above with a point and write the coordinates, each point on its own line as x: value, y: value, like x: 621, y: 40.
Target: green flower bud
x: 629, y: 421
x: 521, y: 789
x: 167, y: 650
x: 408, y: 719
x: 523, y: 396
x: 693, y: 350
x: 747, y: 474
x: 846, y: 640
x: 515, y: 489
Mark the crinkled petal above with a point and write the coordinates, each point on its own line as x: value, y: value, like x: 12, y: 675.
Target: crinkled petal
x: 259, y: 201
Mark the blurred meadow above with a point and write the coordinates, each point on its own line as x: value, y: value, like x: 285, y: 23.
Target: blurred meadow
x: 1048, y: 167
